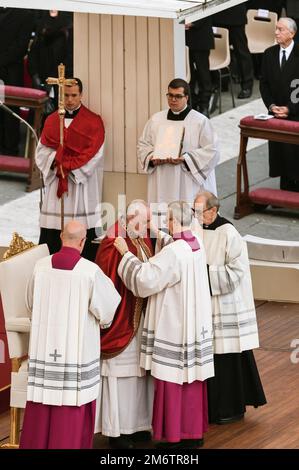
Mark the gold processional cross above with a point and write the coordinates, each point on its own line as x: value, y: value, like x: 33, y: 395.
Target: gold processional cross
x: 61, y: 81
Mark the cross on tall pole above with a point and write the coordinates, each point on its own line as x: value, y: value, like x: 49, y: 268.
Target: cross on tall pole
x: 61, y: 81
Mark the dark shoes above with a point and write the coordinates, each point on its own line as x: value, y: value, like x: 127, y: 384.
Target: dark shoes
x: 141, y: 436
x: 245, y: 93
x: 121, y: 442
x: 183, y: 444
x: 288, y: 184
x: 231, y: 419
x: 127, y: 441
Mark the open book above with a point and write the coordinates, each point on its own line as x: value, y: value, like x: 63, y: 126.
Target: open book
x: 169, y: 140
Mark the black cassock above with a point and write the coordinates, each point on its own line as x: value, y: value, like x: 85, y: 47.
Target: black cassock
x: 276, y: 88
x: 236, y: 383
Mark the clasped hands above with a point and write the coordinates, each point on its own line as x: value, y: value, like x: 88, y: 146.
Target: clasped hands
x: 280, y: 112
x: 163, y: 161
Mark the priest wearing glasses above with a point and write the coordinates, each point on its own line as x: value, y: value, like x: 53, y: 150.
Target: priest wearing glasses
x: 178, y: 149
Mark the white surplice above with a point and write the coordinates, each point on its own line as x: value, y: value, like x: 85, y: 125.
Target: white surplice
x: 234, y: 317
x: 64, y: 353
x: 167, y: 183
x: 82, y: 202
x: 125, y: 403
x: 177, y: 332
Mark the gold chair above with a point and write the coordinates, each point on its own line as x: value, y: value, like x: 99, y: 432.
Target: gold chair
x: 15, y: 271
x: 220, y: 60
x: 260, y: 31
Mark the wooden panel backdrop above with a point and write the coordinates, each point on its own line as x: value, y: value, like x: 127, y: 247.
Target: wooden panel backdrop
x: 125, y: 64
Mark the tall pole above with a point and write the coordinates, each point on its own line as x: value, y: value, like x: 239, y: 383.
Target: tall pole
x: 61, y: 81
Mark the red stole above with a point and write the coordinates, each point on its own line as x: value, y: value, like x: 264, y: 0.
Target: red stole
x: 126, y: 319
x: 82, y: 140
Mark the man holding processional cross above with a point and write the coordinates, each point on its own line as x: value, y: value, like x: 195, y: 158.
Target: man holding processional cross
x: 70, y: 158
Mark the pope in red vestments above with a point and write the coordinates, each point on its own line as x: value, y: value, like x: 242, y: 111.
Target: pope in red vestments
x: 121, y: 372
x: 127, y: 317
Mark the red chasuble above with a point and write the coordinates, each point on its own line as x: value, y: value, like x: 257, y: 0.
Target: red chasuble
x: 82, y: 140
x: 127, y: 317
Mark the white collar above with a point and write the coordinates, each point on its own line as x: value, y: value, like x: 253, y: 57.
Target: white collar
x: 287, y: 49
x: 71, y: 112
x: 179, y: 112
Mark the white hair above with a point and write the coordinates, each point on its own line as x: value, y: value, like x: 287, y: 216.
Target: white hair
x: 210, y: 199
x: 292, y: 26
x: 182, y: 212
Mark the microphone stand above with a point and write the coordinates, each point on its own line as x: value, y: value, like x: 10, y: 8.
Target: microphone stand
x: 10, y: 111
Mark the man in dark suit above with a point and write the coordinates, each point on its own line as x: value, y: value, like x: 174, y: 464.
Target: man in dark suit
x: 200, y: 40
x: 292, y: 7
x: 235, y: 19
x: 271, y: 5
x: 52, y: 45
x: 16, y: 26
x: 280, y: 67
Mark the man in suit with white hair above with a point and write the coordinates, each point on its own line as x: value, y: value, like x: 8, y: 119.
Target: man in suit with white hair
x: 279, y: 91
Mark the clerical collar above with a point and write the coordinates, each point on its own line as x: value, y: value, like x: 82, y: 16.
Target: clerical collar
x: 72, y: 114
x: 182, y: 110
x: 172, y: 116
x: 217, y: 223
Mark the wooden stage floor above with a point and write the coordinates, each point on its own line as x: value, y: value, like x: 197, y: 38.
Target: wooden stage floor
x: 273, y: 426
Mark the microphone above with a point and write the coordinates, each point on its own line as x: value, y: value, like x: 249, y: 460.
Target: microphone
x: 10, y: 111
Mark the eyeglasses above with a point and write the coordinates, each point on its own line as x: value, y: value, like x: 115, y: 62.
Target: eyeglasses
x: 199, y: 211
x: 170, y: 96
